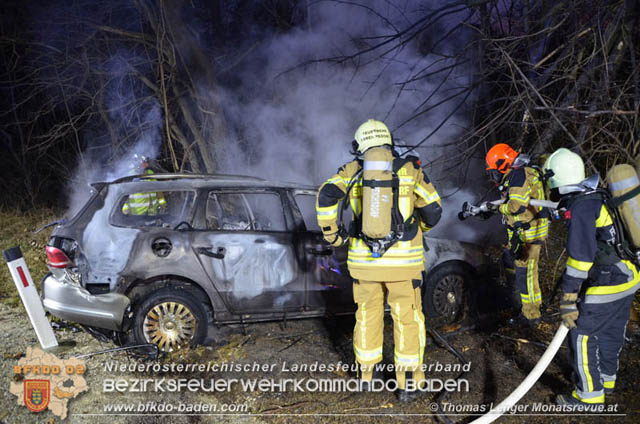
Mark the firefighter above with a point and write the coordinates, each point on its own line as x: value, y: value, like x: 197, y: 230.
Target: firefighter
x: 397, y: 272
x: 527, y: 226
x: 143, y: 204
x: 598, y: 286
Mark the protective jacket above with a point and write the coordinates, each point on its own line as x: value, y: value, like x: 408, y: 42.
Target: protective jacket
x: 418, y: 202
x: 521, y: 185
x: 531, y: 225
x: 148, y: 203
x: 606, y: 285
x: 591, y: 253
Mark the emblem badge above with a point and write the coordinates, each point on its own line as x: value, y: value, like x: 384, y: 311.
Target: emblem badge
x: 36, y: 394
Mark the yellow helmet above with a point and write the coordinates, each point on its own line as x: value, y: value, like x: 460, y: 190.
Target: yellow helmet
x: 371, y: 134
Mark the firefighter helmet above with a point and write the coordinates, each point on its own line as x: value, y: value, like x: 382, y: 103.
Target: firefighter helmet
x: 371, y: 134
x: 566, y: 168
x: 500, y: 157
x: 139, y: 163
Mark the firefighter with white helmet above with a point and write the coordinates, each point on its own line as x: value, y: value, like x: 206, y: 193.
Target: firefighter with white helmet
x: 527, y: 225
x: 392, y: 202
x: 598, y: 285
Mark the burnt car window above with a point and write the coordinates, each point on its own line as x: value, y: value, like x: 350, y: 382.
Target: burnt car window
x: 227, y: 211
x: 154, y: 209
x: 244, y: 212
x: 307, y: 205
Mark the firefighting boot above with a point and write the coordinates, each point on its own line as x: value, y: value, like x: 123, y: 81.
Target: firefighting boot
x: 410, y: 390
x: 571, y: 399
x: 367, y: 379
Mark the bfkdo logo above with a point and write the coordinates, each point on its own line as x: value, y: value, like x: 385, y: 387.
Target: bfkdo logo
x: 36, y: 394
x: 42, y: 381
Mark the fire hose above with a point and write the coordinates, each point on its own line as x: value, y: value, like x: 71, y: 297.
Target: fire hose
x: 440, y: 397
x: 528, y: 382
x: 469, y: 210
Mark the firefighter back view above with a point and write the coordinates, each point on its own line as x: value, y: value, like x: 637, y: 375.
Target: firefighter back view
x: 598, y: 284
x: 527, y: 225
x: 392, y: 202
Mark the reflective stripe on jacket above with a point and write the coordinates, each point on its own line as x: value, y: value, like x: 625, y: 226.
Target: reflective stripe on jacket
x: 522, y: 185
x: 405, y: 259
x: 592, y: 258
x: 148, y: 203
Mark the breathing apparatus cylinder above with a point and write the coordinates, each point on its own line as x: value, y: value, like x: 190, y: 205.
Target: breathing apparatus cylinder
x: 377, y: 194
x: 621, y: 179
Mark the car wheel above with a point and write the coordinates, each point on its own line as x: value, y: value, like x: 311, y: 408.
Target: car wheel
x: 171, y: 319
x: 444, y: 292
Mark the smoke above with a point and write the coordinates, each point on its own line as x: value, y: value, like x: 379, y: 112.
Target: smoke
x: 139, y: 126
x: 93, y: 167
x: 298, y: 115
x: 293, y: 115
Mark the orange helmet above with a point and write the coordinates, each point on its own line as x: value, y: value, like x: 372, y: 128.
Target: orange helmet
x: 500, y: 157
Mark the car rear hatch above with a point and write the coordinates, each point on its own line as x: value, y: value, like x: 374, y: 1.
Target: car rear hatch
x: 65, y: 292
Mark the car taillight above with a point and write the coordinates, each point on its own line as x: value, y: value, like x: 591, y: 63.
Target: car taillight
x: 57, y: 258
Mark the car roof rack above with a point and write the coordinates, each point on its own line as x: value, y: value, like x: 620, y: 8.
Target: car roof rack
x: 177, y: 176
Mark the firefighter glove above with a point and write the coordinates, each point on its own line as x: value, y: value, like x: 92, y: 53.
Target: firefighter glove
x: 492, y: 206
x: 515, y: 243
x: 569, y: 309
x: 486, y: 215
x: 338, y: 239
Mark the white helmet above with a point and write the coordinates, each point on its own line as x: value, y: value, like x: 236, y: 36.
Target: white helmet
x: 138, y: 162
x: 567, y: 168
x: 371, y: 134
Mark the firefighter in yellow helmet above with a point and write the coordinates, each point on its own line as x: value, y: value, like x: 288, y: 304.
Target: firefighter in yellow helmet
x: 389, y: 265
x: 143, y: 204
x: 527, y: 226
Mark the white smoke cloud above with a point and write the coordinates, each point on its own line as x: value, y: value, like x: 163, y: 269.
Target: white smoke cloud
x: 301, y: 114
x: 101, y: 168
x: 292, y: 117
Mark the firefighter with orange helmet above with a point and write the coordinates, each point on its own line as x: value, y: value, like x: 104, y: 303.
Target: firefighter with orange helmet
x: 393, y: 271
x: 527, y: 225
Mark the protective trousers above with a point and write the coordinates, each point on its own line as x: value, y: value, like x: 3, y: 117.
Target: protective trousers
x: 526, y: 284
x: 599, y: 334
x: 408, y: 327
x: 595, y: 345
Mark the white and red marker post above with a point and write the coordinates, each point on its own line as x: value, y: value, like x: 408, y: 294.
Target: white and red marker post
x: 30, y: 298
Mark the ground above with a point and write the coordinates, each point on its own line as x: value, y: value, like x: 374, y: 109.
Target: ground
x: 500, y: 359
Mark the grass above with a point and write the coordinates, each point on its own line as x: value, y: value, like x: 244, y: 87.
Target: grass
x: 17, y: 229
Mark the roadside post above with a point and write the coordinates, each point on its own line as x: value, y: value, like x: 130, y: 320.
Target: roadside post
x: 29, y: 296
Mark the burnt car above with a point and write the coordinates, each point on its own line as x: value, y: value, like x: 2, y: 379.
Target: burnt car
x: 162, y: 258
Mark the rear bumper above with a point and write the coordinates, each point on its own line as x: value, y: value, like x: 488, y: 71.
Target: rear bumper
x: 73, y: 303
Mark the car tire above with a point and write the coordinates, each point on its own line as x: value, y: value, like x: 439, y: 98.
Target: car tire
x: 171, y: 319
x: 444, y: 292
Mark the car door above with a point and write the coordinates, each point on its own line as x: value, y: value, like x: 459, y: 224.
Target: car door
x: 329, y: 285
x: 247, y: 251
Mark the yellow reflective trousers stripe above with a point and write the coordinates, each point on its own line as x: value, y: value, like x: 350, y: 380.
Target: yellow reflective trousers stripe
x: 585, y: 363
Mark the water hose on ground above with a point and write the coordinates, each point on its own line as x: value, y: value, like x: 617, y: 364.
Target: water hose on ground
x: 528, y: 382
x: 440, y: 396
